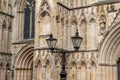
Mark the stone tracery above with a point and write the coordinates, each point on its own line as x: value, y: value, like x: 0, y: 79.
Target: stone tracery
x: 87, y: 65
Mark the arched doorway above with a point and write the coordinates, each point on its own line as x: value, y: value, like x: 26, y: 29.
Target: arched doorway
x: 24, y: 63
x: 109, y: 54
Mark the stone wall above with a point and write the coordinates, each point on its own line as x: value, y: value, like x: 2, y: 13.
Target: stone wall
x: 5, y: 39
x: 32, y: 60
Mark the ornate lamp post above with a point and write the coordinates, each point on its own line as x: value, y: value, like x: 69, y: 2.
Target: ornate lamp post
x: 76, y: 40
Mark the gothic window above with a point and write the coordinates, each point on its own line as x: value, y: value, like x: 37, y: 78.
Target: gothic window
x: 118, y: 65
x: 29, y: 20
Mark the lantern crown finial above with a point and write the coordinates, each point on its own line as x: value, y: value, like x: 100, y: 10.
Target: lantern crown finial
x: 77, y: 33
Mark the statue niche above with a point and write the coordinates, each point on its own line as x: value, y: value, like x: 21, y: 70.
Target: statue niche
x: 45, y: 23
x: 45, y: 18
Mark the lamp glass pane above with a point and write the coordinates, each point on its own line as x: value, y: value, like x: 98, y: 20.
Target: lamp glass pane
x: 76, y: 42
x: 51, y: 42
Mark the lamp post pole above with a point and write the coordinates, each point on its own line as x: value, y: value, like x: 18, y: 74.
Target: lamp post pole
x: 63, y: 73
x: 64, y: 53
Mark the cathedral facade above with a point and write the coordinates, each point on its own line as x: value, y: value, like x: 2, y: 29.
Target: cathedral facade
x: 26, y: 24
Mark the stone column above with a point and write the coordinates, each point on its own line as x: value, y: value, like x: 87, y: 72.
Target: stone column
x: 18, y: 26
x: 2, y: 74
x: 65, y: 37
x: 25, y: 73
x: 22, y: 74
x: 69, y: 43
x: 83, y: 29
x: 43, y: 76
x: 110, y: 73
x: 33, y: 69
x: 52, y: 73
x: 6, y: 40
x: 115, y: 75
x: 15, y: 75
x: 107, y: 73
x: 98, y: 73
x: 17, y: 72
x: 92, y: 73
x: 83, y: 73
x: 88, y: 73
x: 35, y: 73
x: 95, y: 72
x: 103, y: 73
x: 78, y: 73
x: 22, y: 26
x: 5, y: 72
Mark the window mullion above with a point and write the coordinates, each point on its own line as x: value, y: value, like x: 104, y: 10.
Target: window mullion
x: 30, y: 22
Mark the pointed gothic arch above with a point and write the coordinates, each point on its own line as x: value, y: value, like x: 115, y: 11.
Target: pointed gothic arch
x: 83, y: 34
x: 44, y: 9
x: 92, y: 36
x: 43, y: 14
x: 44, y: 17
x: 73, y: 19
x: 24, y: 63
x: 110, y: 52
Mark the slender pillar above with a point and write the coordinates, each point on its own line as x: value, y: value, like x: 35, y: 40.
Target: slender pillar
x: 78, y: 73
x: 115, y: 75
x: 43, y: 73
